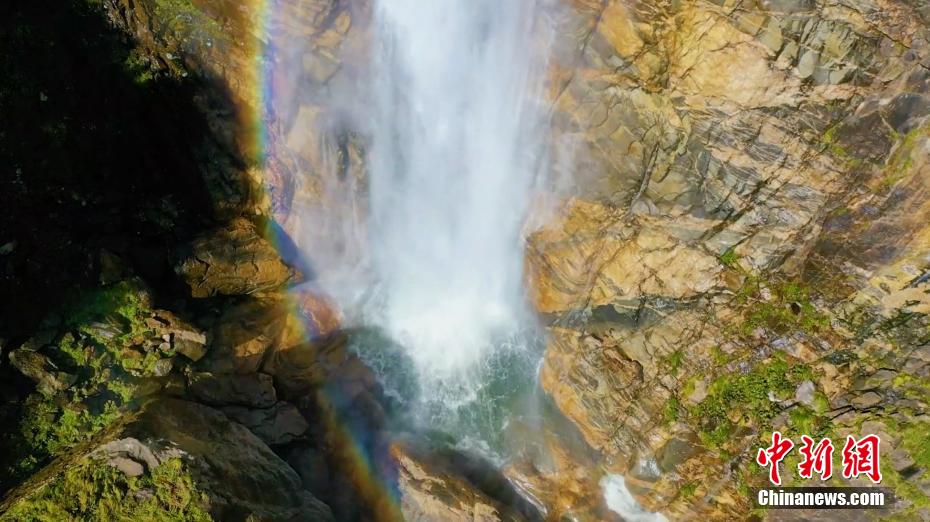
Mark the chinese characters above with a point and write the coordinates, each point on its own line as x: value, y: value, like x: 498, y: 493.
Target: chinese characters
x: 859, y: 457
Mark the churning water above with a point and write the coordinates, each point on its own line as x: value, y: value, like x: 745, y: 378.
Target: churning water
x: 456, y: 147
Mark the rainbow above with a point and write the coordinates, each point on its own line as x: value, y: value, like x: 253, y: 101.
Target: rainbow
x: 353, y: 447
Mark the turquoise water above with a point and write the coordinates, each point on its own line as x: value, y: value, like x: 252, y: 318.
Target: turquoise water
x: 472, y: 410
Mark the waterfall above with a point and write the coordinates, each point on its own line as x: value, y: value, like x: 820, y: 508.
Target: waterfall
x: 456, y: 145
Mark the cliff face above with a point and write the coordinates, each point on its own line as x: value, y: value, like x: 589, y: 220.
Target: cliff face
x: 751, y: 194
x: 745, y: 247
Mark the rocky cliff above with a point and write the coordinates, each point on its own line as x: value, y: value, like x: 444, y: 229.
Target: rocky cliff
x: 743, y: 247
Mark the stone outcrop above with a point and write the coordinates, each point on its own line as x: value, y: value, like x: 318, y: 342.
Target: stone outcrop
x: 234, y: 474
x: 431, y: 489
x: 255, y: 390
x: 279, y: 424
x: 234, y: 260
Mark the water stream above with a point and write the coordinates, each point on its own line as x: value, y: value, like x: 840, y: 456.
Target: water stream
x: 456, y: 143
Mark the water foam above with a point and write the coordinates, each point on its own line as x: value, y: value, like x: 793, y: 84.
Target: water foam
x: 456, y: 145
x: 621, y: 501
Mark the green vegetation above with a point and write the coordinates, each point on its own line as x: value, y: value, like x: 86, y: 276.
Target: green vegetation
x: 805, y: 421
x: 916, y: 439
x: 94, y: 490
x: 671, y: 409
x: 901, y: 161
x: 138, y: 65
x: 789, y: 308
x: 674, y: 361
x: 719, y: 356
x: 838, y: 151
x: 729, y: 258
x: 688, y: 489
x: 105, y: 324
x: 182, y: 20
x: 736, y: 399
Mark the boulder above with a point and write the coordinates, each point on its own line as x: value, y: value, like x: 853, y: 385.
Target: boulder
x: 254, y: 390
x: 49, y: 380
x: 236, y: 476
x: 429, y: 493
x: 243, y: 333
x: 234, y: 260
x: 181, y: 337
x: 279, y: 424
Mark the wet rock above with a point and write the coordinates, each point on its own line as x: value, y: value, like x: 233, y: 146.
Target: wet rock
x: 234, y: 260
x: 49, y: 380
x: 805, y: 393
x: 676, y: 451
x: 243, y: 333
x: 253, y: 390
x: 180, y: 336
x: 311, y: 464
x: 867, y: 400
x: 299, y: 366
x: 279, y: 424
x: 901, y: 460
x: 432, y: 492
x: 162, y: 367
x: 241, y: 478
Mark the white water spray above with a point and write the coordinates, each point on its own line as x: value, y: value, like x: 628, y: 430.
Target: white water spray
x: 456, y: 145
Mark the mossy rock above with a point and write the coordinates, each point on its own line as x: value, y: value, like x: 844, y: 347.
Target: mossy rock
x: 193, y: 464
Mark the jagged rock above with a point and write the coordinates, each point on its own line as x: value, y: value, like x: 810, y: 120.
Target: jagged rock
x: 430, y: 491
x: 234, y: 260
x: 254, y: 390
x: 311, y: 464
x: 238, y: 474
x: 49, y: 380
x: 867, y: 400
x: 181, y: 337
x: 805, y: 393
x: 243, y: 334
x: 299, y: 365
x: 162, y: 367
x: 279, y: 424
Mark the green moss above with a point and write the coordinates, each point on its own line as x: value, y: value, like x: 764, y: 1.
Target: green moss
x: 108, y: 321
x: 139, y: 67
x: 901, y: 162
x: 719, y: 356
x: 689, y: 387
x: 47, y: 429
x: 121, y: 301
x: 674, y: 361
x: 806, y: 421
x: 739, y: 399
x: 728, y: 258
x: 831, y: 144
x: 94, y: 490
x: 182, y: 20
x: 916, y: 439
x: 688, y: 489
x: 821, y: 404
x: 789, y: 309
x: 670, y: 412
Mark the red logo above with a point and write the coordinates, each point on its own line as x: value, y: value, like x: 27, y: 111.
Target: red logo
x: 860, y: 457
x: 773, y: 455
x: 819, y: 459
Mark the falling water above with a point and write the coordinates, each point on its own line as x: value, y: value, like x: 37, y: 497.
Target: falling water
x: 455, y: 149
